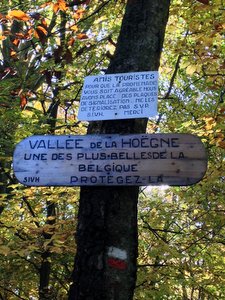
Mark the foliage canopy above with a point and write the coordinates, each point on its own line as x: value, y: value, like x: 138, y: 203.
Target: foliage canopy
x: 47, y: 48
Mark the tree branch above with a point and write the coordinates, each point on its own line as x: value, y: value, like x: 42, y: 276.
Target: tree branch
x: 31, y: 210
x: 8, y: 290
x: 177, y: 65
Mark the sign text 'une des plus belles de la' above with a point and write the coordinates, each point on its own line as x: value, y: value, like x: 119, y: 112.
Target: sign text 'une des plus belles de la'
x: 142, y: 159
x: 119, y: 96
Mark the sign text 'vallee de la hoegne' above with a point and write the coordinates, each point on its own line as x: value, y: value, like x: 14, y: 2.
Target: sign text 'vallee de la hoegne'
x: 119, y: 96
x: 139, y: 159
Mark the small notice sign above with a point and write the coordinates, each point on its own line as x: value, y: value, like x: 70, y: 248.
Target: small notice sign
x: 139, y: 159
x: 119, y: 96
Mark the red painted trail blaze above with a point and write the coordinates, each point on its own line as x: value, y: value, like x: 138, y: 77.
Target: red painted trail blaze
x: 117, y: 263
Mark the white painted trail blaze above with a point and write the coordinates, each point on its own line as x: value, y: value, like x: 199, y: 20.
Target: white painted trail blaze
x: 117, y: 253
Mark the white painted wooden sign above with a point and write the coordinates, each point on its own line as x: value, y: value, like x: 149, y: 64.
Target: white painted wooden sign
x: 119, y: 96
x: 140, y: 159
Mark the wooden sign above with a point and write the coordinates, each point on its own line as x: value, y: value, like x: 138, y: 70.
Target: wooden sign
x: 140, y: 159
x: 119, y: 96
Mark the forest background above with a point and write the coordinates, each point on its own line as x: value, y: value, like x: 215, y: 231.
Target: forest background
x: 47, y: 49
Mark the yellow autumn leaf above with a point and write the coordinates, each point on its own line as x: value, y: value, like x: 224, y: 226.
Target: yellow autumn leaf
x: 55, y: 7
x: 74, y: 28
x: 82, y: 36
x: 51, y: 218
x: 71, y: 41
x: 208, y: 41
x: 36, y: 34
x: 222, y: 144
x: 13, y: 53
x: 79, y: 14
x: 209, y: 127
x: 19, y: 15
x: 191, y: 69
x: 195, y: 211
x: 62, y: 5
x: 220, y: 135
x: 41, y: 28
x: 208, y: 119
x: 4, y: 250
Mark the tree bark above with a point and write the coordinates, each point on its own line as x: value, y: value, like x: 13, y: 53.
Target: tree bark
x: 107, y: 237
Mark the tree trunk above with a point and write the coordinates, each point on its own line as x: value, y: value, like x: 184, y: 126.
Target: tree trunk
x: 107, y: 238
x: 45, y: 292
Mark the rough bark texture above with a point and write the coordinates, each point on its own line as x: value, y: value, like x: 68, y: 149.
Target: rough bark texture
x: 107, y: 217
